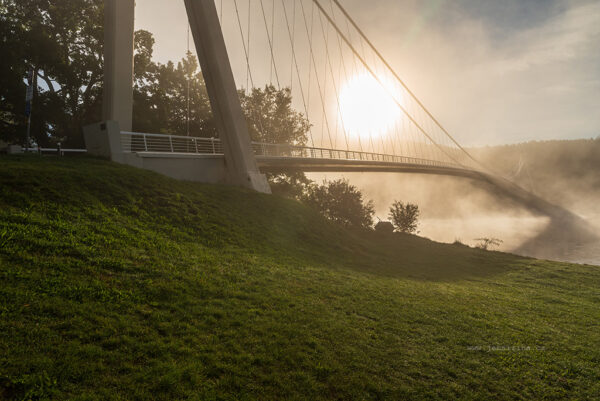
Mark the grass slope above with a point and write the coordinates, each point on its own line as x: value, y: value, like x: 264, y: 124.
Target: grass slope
x: 118, y: 283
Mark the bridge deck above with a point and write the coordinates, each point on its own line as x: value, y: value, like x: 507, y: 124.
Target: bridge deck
x: 282, y: 157
x: 277, y: 158
x: 277, y: 164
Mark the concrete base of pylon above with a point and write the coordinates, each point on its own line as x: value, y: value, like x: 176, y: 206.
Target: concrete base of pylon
x: 104, y: 140
x: 259, y: 183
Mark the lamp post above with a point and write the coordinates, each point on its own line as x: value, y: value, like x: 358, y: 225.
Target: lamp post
x: 28, y: 102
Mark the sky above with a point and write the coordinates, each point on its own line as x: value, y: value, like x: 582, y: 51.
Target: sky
x: 492, y: 71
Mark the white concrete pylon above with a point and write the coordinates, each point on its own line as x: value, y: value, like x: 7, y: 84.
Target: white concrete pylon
x: 224, y: 99
x: 117, y: 102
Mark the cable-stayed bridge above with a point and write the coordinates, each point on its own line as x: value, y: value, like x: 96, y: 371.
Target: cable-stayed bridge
x: 356, y: 104
x: 356, y: 112
x: 284, y: 157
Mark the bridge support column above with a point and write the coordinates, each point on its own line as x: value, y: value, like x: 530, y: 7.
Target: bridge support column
x: 118, y: 62
x: 222, y: 91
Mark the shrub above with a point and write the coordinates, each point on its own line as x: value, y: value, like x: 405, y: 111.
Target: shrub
x: 488, y: 243
x: 405, y: 217
x: 385, y: 227
x: 341, y: 202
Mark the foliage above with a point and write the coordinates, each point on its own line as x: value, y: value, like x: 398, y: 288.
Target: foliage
x: 487, y: 243
x: 404, y: 216
x: 341, y: 202
x: 291, y: 185
x: 66, y: 55
x: 385, y: 227
x: 161, y: 94
x: 63, y: 42
x: 271, y: 118
x: 118, y: 283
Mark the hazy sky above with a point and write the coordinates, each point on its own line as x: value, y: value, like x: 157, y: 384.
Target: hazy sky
x: 492, y: 71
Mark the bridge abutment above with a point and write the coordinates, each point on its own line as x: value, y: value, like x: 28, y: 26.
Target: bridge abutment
x: 105, y: 140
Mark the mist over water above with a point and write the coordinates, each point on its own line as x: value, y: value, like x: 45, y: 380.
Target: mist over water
x: 514, y: 231
x: 454, y: 208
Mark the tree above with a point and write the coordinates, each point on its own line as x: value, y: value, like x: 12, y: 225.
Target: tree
x: 271, y: 118
x: 161, y: 94
x: 289, y: 184
x: 62, y: 41
x: 341, y: 202
x: 404, y: 217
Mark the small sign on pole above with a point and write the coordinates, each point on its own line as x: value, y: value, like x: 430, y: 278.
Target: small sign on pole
x: 29, y: 93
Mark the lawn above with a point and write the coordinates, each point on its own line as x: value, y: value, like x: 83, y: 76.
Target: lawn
x: 121, y: 284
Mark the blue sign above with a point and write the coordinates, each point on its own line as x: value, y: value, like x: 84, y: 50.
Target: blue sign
x: 27, y: 109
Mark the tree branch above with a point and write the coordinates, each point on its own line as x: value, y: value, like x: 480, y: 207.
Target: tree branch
x: 49, y: 82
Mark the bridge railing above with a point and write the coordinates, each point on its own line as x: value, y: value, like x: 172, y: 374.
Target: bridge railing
x: 135, y: 142
x: 291, y: 151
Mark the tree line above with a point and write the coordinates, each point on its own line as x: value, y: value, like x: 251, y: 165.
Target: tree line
x: 62, y: 43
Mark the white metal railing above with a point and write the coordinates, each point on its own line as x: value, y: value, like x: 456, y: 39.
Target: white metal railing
x: 306, y: 152
x: 134, y: 142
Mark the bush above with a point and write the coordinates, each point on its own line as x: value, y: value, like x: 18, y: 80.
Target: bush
x: 404, y: 217
x: 488, y: 243
x: 385, y: 227
x: 341, y: 202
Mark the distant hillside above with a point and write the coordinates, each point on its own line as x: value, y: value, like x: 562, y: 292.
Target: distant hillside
x: 121, y: 284
x: 563, y: 172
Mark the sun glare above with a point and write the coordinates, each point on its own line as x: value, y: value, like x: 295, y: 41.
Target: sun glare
x: 367, y: 107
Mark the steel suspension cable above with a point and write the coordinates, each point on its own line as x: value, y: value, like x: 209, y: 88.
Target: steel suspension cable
x: 187, y: 116
x: 273, y: 41
x: 334, y: 144
x: 356, y: 71
x: 293, y: 41
x: 343, y: 62
x: 340, y: 67
x: 370, y: 70
x: 310, y: 44
x: 246, y: 52
x: 297, y: 69
x: 337, y: 95
x: 312, y: 9
x: 270, y: 46
x: 380, y: 56
x: 248, y: 72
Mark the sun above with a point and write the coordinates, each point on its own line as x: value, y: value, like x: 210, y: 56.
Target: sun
x: 367, y: 107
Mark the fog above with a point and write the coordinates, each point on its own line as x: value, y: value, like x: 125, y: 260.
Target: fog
x: 460, y: 209
x: 451, y: 208
x: 493, y: 73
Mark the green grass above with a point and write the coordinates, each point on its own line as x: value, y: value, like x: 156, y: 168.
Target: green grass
x: 118, y: 283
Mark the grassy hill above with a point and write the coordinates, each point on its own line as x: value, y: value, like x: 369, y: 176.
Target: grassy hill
x: 118, y: 283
